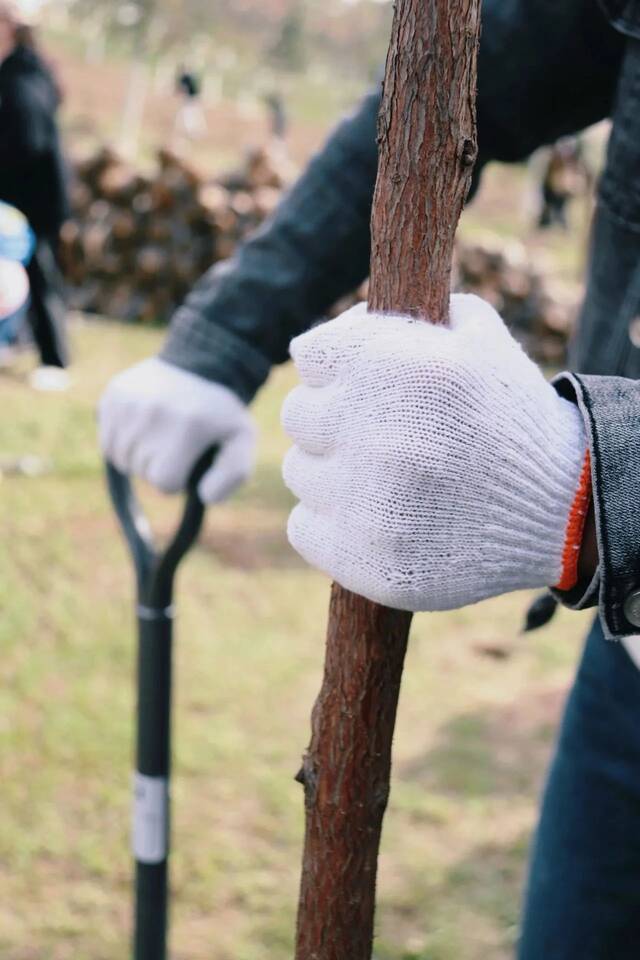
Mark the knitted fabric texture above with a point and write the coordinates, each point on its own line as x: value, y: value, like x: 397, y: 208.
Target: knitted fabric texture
x: 434, y: 466
x: 156, y: 420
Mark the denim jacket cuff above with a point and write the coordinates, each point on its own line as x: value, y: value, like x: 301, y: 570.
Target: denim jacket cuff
x: 585, y: 594
x: 610, y: 407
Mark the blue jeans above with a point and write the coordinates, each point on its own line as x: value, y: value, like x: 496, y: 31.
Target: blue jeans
x: 10, y: 327
x: 583, y: 898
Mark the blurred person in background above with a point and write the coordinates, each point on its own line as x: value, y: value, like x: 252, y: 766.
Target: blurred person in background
x: 546, y: 70
x: 14, y: 297
x: 565, y: 177
x: 33, y: 179
x: 190, y: 122
x: 15, y: 246
x: 278, y: 119
x: 16, y: 250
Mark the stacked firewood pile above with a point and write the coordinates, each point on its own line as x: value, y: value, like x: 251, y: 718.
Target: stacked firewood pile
x: 137, y: 243
x: 540, y: 312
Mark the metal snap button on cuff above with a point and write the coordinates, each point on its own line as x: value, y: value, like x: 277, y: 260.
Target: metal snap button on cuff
x: 632, y: 608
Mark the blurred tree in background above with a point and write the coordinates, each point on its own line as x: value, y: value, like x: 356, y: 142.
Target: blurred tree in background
x: 286, y: 34
x: 288, y: 51
x: 315, y: 57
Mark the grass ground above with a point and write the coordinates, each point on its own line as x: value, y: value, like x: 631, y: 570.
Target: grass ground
x: 473, y: 738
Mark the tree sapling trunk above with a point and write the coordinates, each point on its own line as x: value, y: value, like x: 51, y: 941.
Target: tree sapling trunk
x: 427, y: 148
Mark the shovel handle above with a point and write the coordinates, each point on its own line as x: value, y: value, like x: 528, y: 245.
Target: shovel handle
x: 155, y: 570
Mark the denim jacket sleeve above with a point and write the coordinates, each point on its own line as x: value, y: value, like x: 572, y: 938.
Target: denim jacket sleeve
x: 545, y: 69
x: 610, y: 407
x: 241, y: 316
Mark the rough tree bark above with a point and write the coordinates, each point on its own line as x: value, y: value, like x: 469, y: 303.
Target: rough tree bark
x: 427, y: 148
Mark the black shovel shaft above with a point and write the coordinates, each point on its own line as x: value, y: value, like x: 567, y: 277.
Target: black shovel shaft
x: 155, y: 642
x: 152, y: 908
x: 151, y: 826
x: 151, y: 808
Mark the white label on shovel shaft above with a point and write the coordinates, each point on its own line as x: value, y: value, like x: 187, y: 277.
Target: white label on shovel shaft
x: 149, y: 839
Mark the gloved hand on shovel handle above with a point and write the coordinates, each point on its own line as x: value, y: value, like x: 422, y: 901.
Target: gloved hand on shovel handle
x: 434, y: 466
x: 156, y: 420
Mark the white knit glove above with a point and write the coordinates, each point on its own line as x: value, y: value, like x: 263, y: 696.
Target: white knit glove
x: 157, y: 419
x: 434, y: 466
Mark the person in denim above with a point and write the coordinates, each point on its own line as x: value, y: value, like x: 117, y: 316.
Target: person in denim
x: 33, y: 176
x: 16, y: 248
x: 546, y: 70
x: 14, y: 297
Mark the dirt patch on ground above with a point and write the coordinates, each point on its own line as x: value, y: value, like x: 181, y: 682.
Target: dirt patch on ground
x: 492, y: 750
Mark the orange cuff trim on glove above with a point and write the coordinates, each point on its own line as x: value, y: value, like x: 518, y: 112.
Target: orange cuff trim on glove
x: 575, y: 528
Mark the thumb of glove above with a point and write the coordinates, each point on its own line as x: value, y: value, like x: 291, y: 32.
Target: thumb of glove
x: 232, y: 466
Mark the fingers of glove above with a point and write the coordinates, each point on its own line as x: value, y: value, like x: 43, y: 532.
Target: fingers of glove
x: 141, y: 459
x: 121, y: 441
x: 311, y: 479
x: 321, y: 546
x: 110, y: 417
x: 138, y: 446
x: 121, y: 419
x: 169, y: 470
x: 233, y: 465
x: 471, y: 315
x: 105, y: 432
x: 311, y: 536
x: 321, y: 353
x: 309, y: 416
